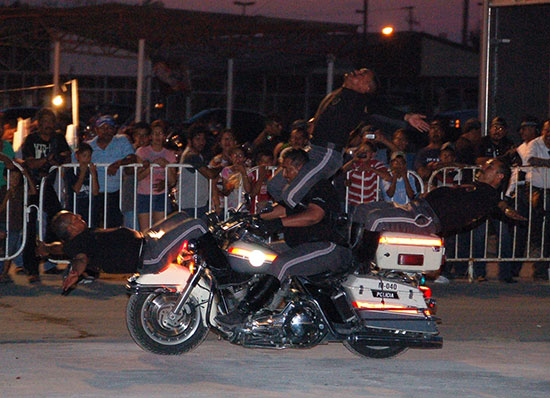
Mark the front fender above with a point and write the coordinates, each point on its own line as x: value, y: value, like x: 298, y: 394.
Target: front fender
x: 173, y: 278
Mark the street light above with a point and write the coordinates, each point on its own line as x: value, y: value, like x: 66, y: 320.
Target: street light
x: 387, y: 30
x: 244, y: 4
x: 57, y: 100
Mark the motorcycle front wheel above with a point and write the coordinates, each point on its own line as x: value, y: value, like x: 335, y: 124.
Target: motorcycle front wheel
x: 149, y: 323
x: 369, y: 351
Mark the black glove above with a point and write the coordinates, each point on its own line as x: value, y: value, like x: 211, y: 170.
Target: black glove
x: 273, y: 226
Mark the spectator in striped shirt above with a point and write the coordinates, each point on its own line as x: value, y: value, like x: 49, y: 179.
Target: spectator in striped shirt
x: 363, y: 172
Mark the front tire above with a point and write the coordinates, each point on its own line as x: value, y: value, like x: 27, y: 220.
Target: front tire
x: 378, y: 352
x: 151, y: 328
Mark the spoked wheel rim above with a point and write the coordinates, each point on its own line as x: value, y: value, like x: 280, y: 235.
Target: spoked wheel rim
x: 164, y: 328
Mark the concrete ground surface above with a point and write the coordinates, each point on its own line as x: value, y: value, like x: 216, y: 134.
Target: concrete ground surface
x: 496, y: 344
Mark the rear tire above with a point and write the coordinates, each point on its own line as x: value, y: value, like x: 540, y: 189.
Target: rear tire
x: 378, y: 352
x: 151, y: 328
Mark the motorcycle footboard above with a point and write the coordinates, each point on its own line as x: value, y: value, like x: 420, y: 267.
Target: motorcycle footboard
x: 387, y: 321
x: 422, y: 341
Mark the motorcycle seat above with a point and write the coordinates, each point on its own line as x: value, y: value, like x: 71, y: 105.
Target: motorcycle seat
x: 324, y: 278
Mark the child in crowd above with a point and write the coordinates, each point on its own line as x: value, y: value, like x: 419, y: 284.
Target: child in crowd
x: 83, y: 185
x: 139, y: 135
x: 234, y: 177
x: 12, y: 217
x: 155, y: 200
x: 260, y: 196
x: 402, y: 187
x: 363, y: 172
x: 447, y: 158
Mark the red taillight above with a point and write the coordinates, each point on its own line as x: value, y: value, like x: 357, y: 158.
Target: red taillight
x: 184, y: 246
x: 426, y: 291
x: 410, y: 259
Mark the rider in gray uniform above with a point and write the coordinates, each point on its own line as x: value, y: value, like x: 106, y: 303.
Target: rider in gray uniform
x: 311, y: 245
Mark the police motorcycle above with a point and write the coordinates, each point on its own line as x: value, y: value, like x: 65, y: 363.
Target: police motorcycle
x: 377, y: 308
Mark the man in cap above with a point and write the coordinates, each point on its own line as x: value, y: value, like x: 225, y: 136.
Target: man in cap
x: 402, y: 187
x: 496, y: 144
x: 110, y: 152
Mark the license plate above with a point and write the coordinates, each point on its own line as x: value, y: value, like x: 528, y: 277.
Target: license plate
x: 387, y: 286
x: 384, y: 294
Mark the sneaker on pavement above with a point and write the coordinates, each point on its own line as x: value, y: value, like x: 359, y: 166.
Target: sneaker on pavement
x: 442, y: 279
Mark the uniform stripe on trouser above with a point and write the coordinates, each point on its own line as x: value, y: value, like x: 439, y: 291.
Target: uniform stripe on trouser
x: 408, y: 220
x: 172, y: 244
x: 307, y: 177
x: 306, y: 257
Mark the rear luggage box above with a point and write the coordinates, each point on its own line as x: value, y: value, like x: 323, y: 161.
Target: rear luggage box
x: 409, y: 252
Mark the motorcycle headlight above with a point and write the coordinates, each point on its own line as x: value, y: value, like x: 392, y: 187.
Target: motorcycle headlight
x: 256, y: 258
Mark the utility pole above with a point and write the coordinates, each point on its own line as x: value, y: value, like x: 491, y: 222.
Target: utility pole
x: 465, y: 16
x: 410, y: 18
x: 244, y: 4
x: 365, y: 12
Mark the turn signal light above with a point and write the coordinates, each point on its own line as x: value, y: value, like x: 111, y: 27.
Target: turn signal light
x: 426, y: 291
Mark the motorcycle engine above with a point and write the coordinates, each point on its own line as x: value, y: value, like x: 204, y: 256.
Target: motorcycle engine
x: 298, y: 325
x: 303, y: 326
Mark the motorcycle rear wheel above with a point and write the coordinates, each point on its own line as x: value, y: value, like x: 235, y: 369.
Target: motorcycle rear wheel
x: 151, y: 328
x: 378, y: 352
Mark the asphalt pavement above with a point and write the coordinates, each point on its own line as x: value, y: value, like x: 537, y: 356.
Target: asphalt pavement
x: 496, y: 344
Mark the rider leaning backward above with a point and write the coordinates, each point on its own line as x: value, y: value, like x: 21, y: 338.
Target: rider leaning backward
x: 340, y: 112
x: 311, y: 245
x: 118, y: 250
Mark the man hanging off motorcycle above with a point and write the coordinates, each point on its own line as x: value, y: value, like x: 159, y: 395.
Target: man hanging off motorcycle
x: 311, y: 246
x: 444, y: 210
x: 118, y: 250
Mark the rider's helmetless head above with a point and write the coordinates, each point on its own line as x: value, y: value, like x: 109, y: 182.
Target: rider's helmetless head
x: 292, y: 161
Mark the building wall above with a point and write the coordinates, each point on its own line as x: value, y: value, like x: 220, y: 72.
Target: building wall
x: 439, y: 59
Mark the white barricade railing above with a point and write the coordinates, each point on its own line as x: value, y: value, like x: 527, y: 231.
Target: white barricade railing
x: 377, y: 189
x: 193, y: 193
x: 497, y: 240
x: 15, y: 239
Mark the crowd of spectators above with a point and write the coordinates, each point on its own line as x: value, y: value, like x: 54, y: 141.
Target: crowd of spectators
x: 128, y: 176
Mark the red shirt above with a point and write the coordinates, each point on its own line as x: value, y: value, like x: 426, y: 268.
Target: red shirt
x: 364, y: 185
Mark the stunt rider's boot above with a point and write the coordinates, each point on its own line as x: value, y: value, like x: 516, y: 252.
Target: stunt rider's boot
x: 258, y: 295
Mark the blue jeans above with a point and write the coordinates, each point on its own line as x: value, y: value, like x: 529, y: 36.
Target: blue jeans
x: 14, y: 241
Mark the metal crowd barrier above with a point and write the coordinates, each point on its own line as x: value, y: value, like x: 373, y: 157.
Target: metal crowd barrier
x: 497, y: 240
x: 193, y: 193
x: 378, y: 187
x: 10, y: 252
